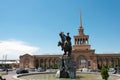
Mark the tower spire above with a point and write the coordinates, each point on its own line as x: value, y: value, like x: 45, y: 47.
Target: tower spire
x: 81, y: 19
x: 81, y: 30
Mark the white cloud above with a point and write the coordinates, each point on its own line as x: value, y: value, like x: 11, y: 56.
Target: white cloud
x: 13, y: 49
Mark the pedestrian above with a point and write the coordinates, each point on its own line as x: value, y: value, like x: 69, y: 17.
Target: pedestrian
x: 6, y: 71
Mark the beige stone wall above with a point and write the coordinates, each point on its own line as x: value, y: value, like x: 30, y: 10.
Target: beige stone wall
x: 26, y: 61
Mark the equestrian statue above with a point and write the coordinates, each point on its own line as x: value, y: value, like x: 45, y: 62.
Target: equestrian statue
x: 65, y: 65
x: 65, y: 43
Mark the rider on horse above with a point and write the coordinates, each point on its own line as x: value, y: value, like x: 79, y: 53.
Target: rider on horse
x: 65, y: 43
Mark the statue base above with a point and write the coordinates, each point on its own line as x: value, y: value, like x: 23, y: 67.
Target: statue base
x: 66, y: 68
x: 64, y: 74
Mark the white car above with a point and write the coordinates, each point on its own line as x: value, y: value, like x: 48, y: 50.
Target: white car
x: 1, y: 70
x: 111, y: 70
x: 84, y: 70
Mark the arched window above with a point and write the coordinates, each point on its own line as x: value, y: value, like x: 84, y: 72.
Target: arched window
x: 82, y: 62
x: 26, y: 62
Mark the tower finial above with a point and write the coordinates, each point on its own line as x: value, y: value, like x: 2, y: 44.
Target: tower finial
x: 80, y: 18
x: 81, y: 30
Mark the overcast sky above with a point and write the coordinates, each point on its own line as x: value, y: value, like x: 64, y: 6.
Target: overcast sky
x: 33, y: 26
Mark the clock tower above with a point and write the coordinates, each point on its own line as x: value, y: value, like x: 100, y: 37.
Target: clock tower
x: 81, y: 41
x: 82, y: 53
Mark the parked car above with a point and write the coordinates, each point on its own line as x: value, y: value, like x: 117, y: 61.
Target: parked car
x: 1, y: 70
x: 10, y: 69
x: 20, y: 71
x: 93, y: 70
x: 112, y: 71
x: 40, y: 70
x: 51, y: 70
x: 32, y: 69
x: 84, y: 70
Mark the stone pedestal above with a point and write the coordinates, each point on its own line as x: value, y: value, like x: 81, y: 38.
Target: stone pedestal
x: 66, y: 67
x: 64, y: 74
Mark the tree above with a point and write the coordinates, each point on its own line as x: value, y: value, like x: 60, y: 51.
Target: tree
x: 104, y: 73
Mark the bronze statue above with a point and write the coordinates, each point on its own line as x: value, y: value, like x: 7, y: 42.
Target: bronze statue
x: 65, y: 43
x: 66, y: 67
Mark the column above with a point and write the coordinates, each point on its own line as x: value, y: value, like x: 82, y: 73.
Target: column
x: 38, y: 62
x: 75, y: 41
x: 80, y: 40
x: 119, y: 61
x: 113, y: 62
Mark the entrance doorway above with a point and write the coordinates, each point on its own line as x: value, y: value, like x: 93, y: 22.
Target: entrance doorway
x: 82, y: 62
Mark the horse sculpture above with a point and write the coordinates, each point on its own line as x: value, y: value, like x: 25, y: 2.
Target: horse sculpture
x: 65, y: 43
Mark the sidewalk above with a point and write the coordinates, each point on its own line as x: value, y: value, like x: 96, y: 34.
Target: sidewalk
x: 9, y: 77
x: 118, y: 75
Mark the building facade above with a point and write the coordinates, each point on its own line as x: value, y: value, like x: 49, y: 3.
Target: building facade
x: 82, y: 54
x: 36, y: 61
